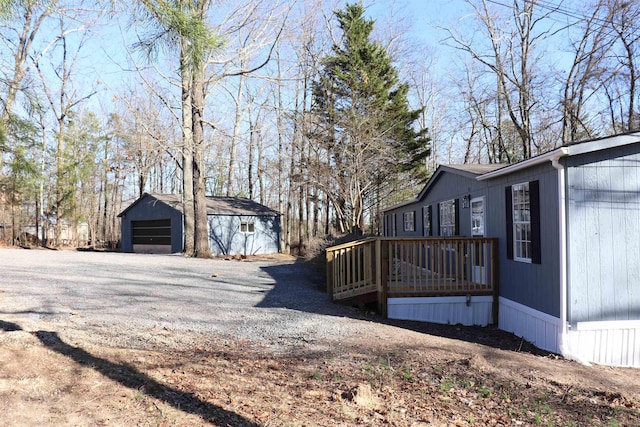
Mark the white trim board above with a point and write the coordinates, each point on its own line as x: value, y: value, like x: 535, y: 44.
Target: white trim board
x: 609, y: 325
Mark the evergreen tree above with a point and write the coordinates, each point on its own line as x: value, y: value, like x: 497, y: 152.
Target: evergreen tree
x: 367, y: 127
x: 19, y: 183
x: 184, y: 24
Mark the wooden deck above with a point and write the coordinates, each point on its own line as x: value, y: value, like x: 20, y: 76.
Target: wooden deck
x: 412, y: 267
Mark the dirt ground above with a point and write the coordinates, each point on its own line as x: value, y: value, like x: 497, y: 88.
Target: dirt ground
x: 399, y: 378
x: 400, y: 374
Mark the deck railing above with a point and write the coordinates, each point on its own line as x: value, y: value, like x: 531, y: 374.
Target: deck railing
x: 412, y: 267
x: 351, y: 269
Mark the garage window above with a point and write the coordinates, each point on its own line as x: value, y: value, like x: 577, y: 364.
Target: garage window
x: 247, y: 227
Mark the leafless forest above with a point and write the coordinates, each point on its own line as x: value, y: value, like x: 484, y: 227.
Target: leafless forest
x: 102, y: 101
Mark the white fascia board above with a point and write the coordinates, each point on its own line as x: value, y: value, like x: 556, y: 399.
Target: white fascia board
x: 604, y: 143
x: 546, y: 157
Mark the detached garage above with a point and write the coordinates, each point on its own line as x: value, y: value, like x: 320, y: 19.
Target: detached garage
x: 154, y: 224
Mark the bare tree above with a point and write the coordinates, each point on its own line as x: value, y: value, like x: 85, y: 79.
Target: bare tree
x: 32, y: 14
x: 510, y: 59
x: 625, y: 16
x: 63, y: 99
x: 587, y: 74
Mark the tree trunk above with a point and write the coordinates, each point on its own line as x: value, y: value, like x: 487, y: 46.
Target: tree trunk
x: 187, y: 154
x: 250, y: 166
x: 59, y: 182
x: 234, y: 138
x: 284, y: 242
x: 200, y: 198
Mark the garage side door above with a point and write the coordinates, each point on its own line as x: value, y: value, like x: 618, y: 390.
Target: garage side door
x: 152, y: 236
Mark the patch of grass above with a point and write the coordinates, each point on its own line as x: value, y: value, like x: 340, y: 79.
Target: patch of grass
x: 541, y: 409
x: 406, y: 373
x: 317, y: 376
x: 446, y: 384
x: 139, y: 393
x: 537, y: 419
x: 485, y: 392
x: 384, y: 363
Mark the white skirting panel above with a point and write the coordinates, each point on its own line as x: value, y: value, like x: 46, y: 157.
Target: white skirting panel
x: 612, y: 343
x: 443, y: 310
x: 540, y: 329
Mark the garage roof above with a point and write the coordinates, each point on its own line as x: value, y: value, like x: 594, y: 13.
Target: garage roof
x: 215, y: 205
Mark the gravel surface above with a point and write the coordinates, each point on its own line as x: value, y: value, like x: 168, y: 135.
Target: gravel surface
x: 135, y: 300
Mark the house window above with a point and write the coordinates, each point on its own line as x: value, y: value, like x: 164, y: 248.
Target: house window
x: 247, y: 227
x: 394, y: 232
x: 477, y: 217
x: 426, y: 221
x: 521, y: 206
x: 409, y: 221
x: 523, y: 222
x: 448, y: 218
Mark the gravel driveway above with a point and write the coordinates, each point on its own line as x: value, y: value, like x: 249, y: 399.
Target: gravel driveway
x: 137, y: 300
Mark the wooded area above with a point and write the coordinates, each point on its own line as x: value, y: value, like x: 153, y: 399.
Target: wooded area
x: 317, y: 109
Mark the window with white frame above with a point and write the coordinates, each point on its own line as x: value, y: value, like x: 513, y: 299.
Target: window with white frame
x: 448, y: 218
x: 247, y: 227
x: 409, y: 221
x: 477, y: 217
x: 521, y: 203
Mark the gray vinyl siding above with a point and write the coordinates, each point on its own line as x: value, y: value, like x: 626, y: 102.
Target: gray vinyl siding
x: 451, y: 187
x: 226, y: 238
x: 448, y: 186
x: 603, y: 227
x: 534, y: 285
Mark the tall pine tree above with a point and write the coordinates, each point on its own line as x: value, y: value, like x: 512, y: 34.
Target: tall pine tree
x: 366, y: 126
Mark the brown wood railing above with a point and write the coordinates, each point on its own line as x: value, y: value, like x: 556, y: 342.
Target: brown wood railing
x: 351, y: 269
x: 411, y: 267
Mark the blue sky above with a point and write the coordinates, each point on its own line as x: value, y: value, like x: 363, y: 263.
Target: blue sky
x: 423, y: 15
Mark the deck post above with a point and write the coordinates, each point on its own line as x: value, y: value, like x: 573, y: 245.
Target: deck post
x: 377, y: 265
x: 382, y: 251
x: 495, y: 276
x: 330, y: 274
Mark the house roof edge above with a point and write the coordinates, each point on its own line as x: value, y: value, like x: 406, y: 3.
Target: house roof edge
x: 542, y: 158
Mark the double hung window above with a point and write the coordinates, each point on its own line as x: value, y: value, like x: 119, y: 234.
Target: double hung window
x: 426, y: 221
x: 523, y: 222
x: 448, y: 218
x: 409, y: 221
